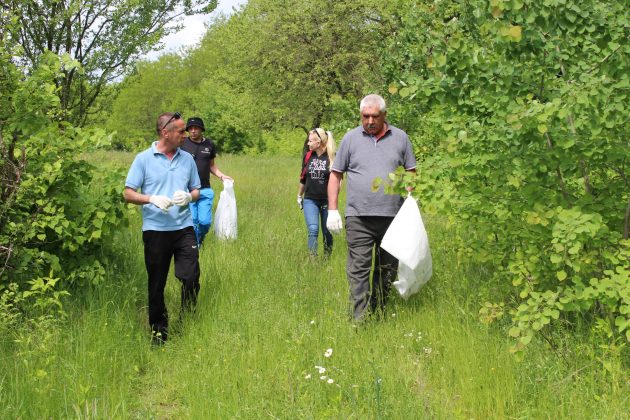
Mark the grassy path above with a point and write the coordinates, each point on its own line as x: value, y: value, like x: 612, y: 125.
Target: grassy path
x: 267, y: 316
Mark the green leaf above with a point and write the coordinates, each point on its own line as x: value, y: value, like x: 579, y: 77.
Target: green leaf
x: 561, y: 275
x: 376, y: 184
x: 525, y: 340
x: 574, y: 249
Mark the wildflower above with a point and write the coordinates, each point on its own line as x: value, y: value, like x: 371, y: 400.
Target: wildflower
x: 394, y: 315
x: 308, y: 376
x: 312, y: 322
x: 322, y: 369
x: 328, y: 353
x: 323, y: 377
x: 428, y: 350
x: 330, y: 381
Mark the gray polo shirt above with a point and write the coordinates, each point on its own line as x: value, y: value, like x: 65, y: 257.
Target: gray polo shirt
x: 363, y: 159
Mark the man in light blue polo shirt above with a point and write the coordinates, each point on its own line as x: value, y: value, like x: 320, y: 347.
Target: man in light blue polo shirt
x: 372, y: 150
x: 164, y: 179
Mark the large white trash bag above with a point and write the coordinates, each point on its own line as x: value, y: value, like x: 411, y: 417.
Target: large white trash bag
x: 225, y: 226
x: 407, y: 240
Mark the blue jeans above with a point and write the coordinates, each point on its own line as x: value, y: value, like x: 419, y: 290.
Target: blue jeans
x: 202, y: 213
x: 314, y: 210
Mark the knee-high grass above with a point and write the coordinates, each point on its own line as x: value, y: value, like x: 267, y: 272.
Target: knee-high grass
x: 272, y: 337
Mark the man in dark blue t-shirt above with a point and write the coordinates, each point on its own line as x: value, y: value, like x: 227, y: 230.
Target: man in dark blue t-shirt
x: 204, y: 152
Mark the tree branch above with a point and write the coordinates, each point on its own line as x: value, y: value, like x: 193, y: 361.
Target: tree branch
x: 563, y: 186
x: 626, y: 225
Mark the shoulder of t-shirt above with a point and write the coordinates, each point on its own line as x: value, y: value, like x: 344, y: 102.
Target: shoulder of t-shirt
x: 146, y: 153
x: 356, y: 132
x: 184, y: 151
x: 186, y: 154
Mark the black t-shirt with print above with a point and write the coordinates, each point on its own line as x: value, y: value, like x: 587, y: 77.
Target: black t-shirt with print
x: 203, y: 153
x: 316, y: 177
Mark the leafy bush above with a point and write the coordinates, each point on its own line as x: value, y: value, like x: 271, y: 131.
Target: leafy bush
x: 525, y: 144
x: 56, y: 215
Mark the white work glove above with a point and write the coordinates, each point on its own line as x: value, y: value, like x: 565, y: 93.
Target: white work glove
x: 161, y: 202
x: 333, y: 223
x: 300, y: 201
x: 182, y: 198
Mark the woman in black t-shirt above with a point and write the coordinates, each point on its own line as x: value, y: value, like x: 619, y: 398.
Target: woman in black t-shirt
x: 312, y: 194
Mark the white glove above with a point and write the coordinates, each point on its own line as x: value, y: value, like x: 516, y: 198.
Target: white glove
x: 333, y: 223
x: 161, y: 202
x: 300, y: 201
x: 182, y: 198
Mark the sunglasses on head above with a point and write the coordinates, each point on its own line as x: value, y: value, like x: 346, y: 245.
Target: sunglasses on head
x: 320, y: 137
x: 176, y: 116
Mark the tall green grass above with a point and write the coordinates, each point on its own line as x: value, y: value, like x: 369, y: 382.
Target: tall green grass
x: 256, y: 346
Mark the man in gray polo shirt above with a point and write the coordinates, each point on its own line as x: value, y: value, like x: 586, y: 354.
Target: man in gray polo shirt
x: 374, y: 149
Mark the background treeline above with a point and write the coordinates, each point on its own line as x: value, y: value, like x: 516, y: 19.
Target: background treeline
x: 517, y: 110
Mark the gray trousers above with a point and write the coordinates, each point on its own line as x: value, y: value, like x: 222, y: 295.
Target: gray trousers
x: 364, y: 235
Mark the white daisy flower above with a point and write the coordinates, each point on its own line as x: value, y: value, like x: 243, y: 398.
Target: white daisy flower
x: 328, y: 353
x: 330, y: 381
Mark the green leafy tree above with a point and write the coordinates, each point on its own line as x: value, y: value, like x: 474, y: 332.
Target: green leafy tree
x: 526, y: 145
x: 54, y: 217
x: 301, y: 54
x: 104, y: 37
x: 288, y: 64
x: 154, y: 87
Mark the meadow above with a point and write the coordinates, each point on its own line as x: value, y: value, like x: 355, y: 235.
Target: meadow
x: 272, y: 338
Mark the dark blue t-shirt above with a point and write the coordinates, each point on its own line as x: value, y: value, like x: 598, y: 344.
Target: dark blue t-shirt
x: 203, y: 153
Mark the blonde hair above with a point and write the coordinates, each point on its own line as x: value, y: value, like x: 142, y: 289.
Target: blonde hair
x: 329, y: 142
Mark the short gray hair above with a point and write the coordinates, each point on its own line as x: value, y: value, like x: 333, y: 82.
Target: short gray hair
x: 373, y: 99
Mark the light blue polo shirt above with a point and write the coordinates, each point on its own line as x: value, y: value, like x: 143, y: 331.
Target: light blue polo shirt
x: 363, y: 158
x: 154, y: 174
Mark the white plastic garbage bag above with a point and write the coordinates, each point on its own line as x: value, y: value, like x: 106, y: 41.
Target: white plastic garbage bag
x: 225, y: 226
x: 407, y: 240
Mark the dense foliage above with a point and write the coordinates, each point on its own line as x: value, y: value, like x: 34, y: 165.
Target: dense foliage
x: 56, y: 216
x: 526, y: 148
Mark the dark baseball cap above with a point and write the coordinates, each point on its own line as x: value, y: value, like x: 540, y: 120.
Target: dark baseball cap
x: 195, y: 122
